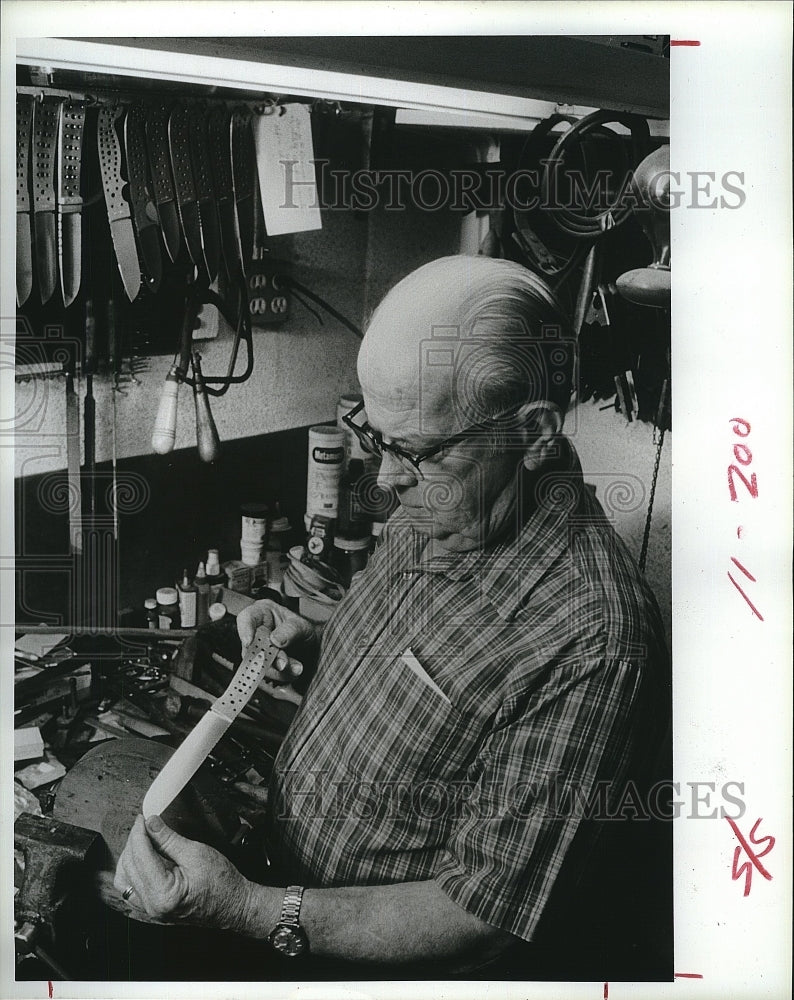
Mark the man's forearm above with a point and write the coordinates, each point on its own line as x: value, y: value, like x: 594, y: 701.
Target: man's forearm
x: 407, y: 922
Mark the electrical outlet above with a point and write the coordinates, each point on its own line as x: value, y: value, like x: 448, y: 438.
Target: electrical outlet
x: 268, y: 294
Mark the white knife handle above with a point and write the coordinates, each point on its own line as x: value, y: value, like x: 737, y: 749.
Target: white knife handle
x: 194, y: 749
x: 164, y: 433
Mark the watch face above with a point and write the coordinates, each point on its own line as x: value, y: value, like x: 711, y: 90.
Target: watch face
x: 315, y: 545
x: 289, y: 941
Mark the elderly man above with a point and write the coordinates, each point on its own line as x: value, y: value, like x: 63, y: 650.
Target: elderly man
x: 454, y: 785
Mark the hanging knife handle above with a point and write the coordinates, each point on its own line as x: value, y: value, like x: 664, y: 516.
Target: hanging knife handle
x: 45, y: 131
x: 209, y: 444
x: 70, y: 128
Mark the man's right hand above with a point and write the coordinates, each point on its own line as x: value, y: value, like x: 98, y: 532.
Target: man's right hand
x: 287, y: 629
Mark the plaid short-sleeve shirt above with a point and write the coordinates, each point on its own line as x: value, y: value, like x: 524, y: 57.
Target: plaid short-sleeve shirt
x: 466, y: 704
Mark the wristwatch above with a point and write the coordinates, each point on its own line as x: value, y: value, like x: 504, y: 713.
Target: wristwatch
x: 288, y: 938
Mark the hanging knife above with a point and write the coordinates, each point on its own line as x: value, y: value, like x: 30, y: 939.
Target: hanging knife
x: 162, y: 181
x: 24, y: 233
x: 205, y: 191
x: 45, y: 132
x: 118, y: 209
x: 219, y: 130
x: 71, y: 126
x: 244, y: 178
x: 179, y: 146
x: 144, y: 212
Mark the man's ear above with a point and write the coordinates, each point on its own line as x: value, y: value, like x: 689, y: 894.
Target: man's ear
x: 543, y: 422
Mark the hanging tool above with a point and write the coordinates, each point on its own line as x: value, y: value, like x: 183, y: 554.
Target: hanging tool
x: 73, y: 467
x: 144, y: 213
x: 184, y: 185
x: 205, y: 191
x: 164, y: 433
x: 245, y: 181
x: 162, y: 179
x: 118, y: 208
x: 24, y: 232
x: 45, y: 131
x: 219, y: 130
x: 209, y: 445
x: 71, y: 126
x: 193, y: 751
x: 89, y: 406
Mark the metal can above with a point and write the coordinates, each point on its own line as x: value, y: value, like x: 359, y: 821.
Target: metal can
x: 326, y: 455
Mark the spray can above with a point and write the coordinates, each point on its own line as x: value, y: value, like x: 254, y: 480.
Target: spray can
x: 326, y: 454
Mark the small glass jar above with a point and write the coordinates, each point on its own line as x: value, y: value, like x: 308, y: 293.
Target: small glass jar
x: 168, y: 607
x: 150, y: 604
x: 349, y: 556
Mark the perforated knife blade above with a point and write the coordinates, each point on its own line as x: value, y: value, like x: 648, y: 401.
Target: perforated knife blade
x: 184, y: 186
x: 162, y: 178
x: 45, y: 132
x: 71, y: 125
x: 198, y: 743
x: 144, y: 212
x: 24, y: 232
x: 118, y: 209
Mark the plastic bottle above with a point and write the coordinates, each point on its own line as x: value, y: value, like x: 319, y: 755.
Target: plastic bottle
x: 352, y: 519
x: 350, y: 556
x: 150, y: 604
x: 188, y: 596
x: 202, y: 595
x: 167, y: 607
x: 215, y: 577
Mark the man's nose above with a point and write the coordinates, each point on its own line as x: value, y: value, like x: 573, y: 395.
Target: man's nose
x: 393, y: 474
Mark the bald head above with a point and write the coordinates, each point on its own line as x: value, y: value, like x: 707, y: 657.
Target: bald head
x: 466, y: 336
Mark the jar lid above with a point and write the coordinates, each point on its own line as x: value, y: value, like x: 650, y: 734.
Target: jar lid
x: 167, y: 595
x: 216, y: 611
x: 150, y: 603
x: 351, y: 544
x: 280, y: 524
x: 255, y: 510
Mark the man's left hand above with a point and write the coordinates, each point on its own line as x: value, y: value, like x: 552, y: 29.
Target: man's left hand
x: 176, y: 879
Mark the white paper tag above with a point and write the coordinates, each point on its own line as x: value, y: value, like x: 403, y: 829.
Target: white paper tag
x: 410, y: 660
x: 285, y: 164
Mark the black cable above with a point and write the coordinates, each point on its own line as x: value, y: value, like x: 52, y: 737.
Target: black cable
x: 324, y: 305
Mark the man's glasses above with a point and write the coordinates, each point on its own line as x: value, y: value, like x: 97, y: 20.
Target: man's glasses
x: 373, y: 443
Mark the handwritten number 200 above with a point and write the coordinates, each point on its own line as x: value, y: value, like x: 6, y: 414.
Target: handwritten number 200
x: 743, y: 455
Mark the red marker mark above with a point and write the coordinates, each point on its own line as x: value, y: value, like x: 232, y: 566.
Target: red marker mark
x: 606, y: 991
x: 685, y: 41
x: 746, y: 868
x: 753, y: 608
x: 739, y: 531
x: 49, y: 988
x: 687, y: 975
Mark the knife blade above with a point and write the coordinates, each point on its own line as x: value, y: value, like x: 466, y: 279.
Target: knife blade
x: 45, y: 131
x: 24, y: 232
x: 179, y: 149
x: 219, y: 131
x: 244, y: 178
x: 144, y: 211
x: 162, y: 182
x: 71, y: 126
x: 205, y: 191
x: 118, y: 209
x: 193, y: 750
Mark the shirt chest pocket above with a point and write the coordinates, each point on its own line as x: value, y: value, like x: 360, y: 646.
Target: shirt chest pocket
x: 401, y: 725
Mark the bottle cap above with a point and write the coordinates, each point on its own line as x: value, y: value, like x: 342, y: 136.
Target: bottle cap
x: 167, y: 595
x: 213, y: 563
x: 150, y: 603
x: 216, y: 612
x: 200, y: 573
x: 185, y: 579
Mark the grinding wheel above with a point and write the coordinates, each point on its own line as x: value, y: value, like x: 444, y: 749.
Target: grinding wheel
x: 104, y: 791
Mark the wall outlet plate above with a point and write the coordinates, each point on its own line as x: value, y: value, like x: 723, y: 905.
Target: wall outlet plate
x: 269, y: 299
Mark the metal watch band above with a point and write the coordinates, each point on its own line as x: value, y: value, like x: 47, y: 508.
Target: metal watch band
x: 291, y: 906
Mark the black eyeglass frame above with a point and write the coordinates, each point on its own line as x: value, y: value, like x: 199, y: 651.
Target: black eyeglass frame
x: 372, y: 440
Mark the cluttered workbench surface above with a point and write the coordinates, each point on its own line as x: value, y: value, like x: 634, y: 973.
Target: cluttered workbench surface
x: 97, y: 718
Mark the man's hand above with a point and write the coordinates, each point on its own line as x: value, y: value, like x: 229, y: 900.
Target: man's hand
x: 288, y: 629
x: 175, y: 879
